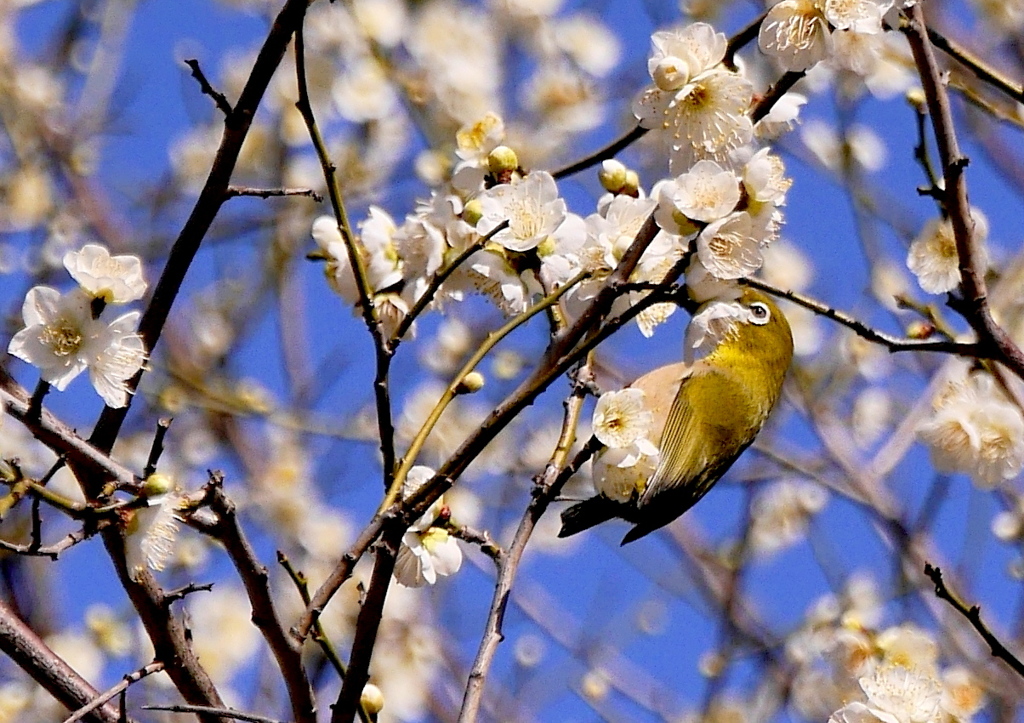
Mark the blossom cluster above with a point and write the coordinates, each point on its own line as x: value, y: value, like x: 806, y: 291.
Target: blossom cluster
x: 516, y: 240
x: 976, y: 430
x: 65, y: 333
x: 801, y: 33
x: 852, y: 669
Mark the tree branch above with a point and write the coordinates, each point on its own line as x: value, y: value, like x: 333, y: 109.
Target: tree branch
x: 973, y: 616
x: 974, y: 305
x: 287, y: 652
x: 207, y: 206
x: 21, y: 644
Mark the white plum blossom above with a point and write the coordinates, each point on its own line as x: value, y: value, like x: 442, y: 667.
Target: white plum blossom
x: 154, y: 533
x: 383, y: 265
x: 427, y: 551
x: 62, y: 339
x: 621, y: 474
x: 609, y: 234
x: 933, y: 257
x: 474, y: 141
x: 679, y: 55
x: 697, y: 108
x: 363, y: 92
x: 531, y: 206
x: 622, y: 422
x: 976, y: 430
x: 622, y: 418
x: 702, y: 285
x: 800, y: 33
x: 613, y: 230
x: 781, y: 514
x: 962, y: 693
x: 338, y: 269
x: 490, y: 273
x: 782, y: 117
x: 588, y: 42
x: 730, y: 248
x: 909, y: 646
x: 652, y: 269
x: 895, y: 694
x: 456, y: 49
x: 115, y: 279
x: 376, y: 248
x: 796, y: 33
x: 764, y: 178
x: 422, y: 240
x: 861, y: 146
x: 706, y: 192
x: 860, y: 16
x: 879, y: 63
x: 560, y: 253
x: 426, y: 555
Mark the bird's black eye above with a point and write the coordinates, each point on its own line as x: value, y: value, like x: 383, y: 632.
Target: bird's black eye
x: 760, y: 313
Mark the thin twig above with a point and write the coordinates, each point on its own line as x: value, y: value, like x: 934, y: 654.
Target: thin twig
x: 547, y: 489
x: 62, y: 439
x: 922, y: 156
x: 368, y: 623
x: 973, y: 615
x: 234, y: 191
x: 213, y: 710
x: 451, y: 391
x: 740, y: 39
x: 223, y: 104
x: 981, y: 70
x: 382, y: 355
x: 609, y: 151
x: 480, y: 538
x: 173, y: 596
x: 318, y: 634
x: 892, y: 343
x: 133, y: 677
x: 766, y: 102
x: 53, y: 551
x: 157, y: 448
x: 436, y: 281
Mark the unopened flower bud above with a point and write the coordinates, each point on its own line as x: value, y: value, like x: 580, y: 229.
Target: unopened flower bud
x: 372, y: 700
x: 157, y: 484
x: 473, y: 211
x: 920, y: 329
x: 472, y: 382
x: 594, y: 685
x: 711, y: 664
x: 612, y: 175
x: 502, y: 160
x: 916, y: 98
x: 632, y: 185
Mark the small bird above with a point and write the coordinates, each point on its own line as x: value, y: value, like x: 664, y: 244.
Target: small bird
x: 718, y: 405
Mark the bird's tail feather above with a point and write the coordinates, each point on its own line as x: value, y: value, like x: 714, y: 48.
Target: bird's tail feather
x: 584, y: 515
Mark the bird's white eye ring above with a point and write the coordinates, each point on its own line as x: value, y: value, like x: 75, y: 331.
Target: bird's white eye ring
x: 760, y: 313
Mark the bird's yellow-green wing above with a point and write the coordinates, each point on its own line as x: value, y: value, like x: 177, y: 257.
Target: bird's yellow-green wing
x: 711, y: 421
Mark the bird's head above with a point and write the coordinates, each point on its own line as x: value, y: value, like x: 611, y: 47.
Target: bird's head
x: 749, y: 334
